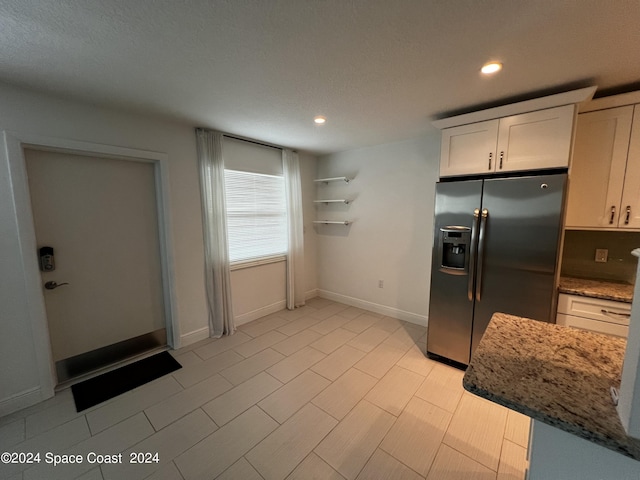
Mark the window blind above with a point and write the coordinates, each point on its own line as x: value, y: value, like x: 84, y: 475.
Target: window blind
x: 256, y: 215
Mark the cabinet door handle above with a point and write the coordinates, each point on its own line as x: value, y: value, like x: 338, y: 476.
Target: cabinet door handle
x: 490, y: 157
x: 613, y: 214
x: 501, y: 157
x: 627, y: 217
x: 610, y: 312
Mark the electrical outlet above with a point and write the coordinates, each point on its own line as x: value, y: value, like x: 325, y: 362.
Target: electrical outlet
x: 602, y: 254
x: 380, y: 283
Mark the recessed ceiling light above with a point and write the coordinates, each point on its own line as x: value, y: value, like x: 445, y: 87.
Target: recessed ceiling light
x: 491, y: 67
x: 319, y: 120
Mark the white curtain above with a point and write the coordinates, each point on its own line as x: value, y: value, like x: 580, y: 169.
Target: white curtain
x: 214, y: 223
x: 295, y: 254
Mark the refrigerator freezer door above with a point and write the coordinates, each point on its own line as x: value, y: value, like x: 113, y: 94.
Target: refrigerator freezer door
x: 523, y: 227
x: 450, y: 309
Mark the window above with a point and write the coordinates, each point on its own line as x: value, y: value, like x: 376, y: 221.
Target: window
x: 256, y: 215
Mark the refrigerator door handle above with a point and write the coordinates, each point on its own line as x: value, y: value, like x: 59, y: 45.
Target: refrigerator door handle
x: 472, y: 256
x: 483, y: 227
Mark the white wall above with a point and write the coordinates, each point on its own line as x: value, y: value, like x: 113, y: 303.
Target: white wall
x: 391, y: 235
x: 28, y: 113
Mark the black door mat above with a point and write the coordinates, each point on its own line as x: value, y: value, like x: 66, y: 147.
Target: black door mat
x: 111, y: 384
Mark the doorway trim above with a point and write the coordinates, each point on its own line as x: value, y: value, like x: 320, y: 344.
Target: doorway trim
x: 14, y: 143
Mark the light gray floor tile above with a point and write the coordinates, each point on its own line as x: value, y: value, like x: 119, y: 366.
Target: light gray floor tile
x: 262, y: 326
x: 314, y: 468
x: 415, y: 437
x: 360, y: 323
x: 278, y: 454
x: 286, y: 401
x: 442, y: 387
x: 327, y: 311
x: 219, y: 345
x: 168, y: 472
x: 241, y: 470
x: 247, y: 349
x: 395, y: 389
x: 339, y: 398
x: 330, y: 324
x: 379, y: 360
x: 293, y: 365
x: 350, y: 444
x: 225, y: 446
x: 406, y: 336
x: 513, y: 461
x: 128, y: 404
x: 296, y: 326
x: 244, y: 370
x: 368, y: 442
x: 338, y: 362
x: 95, y: 474
x: 319, y: 302
x: 333, y: 340
x: 232, y: 403
x: 453, y: 465
x: 369, y: 339
x: 188, y: 376
x: 57, y: 414
x: 162, y: 414
x: 56, y: 440
x: 517, y: 429
x: 167, y: 444
x: 352, y: 312
x: 416, y: 361
x: 111, y: 441
x: 383, y: 466
x: 186, y: 358
x: 477, y: 430
x: 12, y: 433
x: 296, y: 342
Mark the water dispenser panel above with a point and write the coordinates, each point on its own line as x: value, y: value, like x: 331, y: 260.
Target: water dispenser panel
x: 454, y: 249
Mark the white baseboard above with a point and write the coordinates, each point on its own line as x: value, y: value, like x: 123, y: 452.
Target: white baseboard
x: 260, y: 312
x: 203, y: 333
x: 21, y: 400
x: 375, y: 307
x: 195, y: 336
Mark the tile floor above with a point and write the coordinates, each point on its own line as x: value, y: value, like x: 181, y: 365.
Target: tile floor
x: 323, y: 392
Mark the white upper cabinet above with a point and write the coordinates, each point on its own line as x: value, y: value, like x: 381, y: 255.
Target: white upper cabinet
x: 630, y: 214
x: 469, y: 149
x: 604, y: 188
x: 535, y: 140
x: 528, y: 141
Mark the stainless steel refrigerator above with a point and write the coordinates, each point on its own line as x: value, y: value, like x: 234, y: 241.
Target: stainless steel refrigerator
x: 495, y: 249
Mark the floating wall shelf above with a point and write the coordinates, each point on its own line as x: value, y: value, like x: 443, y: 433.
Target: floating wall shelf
x: 331, y: 222
x: 341, y: 200
x: 333, y: 179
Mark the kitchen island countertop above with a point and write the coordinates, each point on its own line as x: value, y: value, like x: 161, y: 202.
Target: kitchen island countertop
x: 607, y: 290
x: 557, y: 375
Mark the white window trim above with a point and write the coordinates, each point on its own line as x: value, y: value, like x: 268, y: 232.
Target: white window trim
x: 255, y: 262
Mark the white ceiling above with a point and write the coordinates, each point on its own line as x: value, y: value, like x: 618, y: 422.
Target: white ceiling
x: 379, y: 70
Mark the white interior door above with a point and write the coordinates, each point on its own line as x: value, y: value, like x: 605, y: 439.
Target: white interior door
x: 100, y: 216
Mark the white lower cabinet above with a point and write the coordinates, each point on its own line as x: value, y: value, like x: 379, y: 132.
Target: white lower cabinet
x: 596, y: 315
x: 556, y: 454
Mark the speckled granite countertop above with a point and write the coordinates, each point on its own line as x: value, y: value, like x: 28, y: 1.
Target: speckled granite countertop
x: 557, y: 375
x: 618, y: 292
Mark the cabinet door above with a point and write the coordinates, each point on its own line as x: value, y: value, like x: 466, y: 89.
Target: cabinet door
x: 535, y: 140
x: 598, y: 168
x: 469, y: 149
x: 630, y: 205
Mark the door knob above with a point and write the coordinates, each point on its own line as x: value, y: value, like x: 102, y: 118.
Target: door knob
x: 52, y: 285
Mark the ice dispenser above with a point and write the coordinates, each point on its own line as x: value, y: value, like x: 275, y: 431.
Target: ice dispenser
x: 454, y: 249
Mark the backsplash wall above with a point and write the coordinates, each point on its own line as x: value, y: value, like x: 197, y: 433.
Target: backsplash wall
x: 579, y: 253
